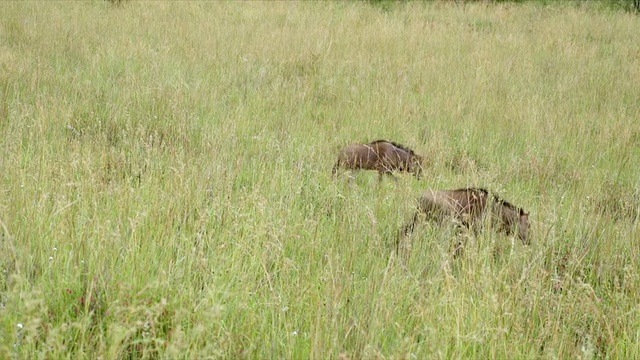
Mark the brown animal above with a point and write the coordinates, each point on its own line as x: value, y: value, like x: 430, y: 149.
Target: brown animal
x: 380, y: 155
x: 469, y: 207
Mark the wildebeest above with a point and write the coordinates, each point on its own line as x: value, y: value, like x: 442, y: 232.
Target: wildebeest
x: 380, y: 155
x: 469, y: 207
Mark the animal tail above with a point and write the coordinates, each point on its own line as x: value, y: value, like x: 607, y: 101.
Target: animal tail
x: 334, y: 171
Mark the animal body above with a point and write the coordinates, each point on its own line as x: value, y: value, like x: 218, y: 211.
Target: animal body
x: 469, y: 207
x: 382, y: 156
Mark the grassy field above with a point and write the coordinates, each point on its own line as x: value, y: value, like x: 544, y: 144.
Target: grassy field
x: 166, y: 189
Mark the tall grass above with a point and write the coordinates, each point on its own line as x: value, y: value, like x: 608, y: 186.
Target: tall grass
x: 165, y: 186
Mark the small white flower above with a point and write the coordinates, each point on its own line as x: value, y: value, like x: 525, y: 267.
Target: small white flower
x: 55, y: 249
x: 19, y: 326
x: 50, y: 258
x: 295, y: 333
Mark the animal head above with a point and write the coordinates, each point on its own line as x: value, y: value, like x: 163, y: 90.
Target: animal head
x: 512, y: 219
x: 523, y: 227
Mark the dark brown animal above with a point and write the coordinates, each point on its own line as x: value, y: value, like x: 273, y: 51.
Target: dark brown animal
x: 469, y: 207
x: 380, y: 155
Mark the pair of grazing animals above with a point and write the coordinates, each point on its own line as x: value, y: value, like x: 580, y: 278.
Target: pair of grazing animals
x: 468, y: 206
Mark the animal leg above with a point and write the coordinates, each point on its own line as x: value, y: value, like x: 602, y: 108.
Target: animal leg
x: 458, y: 249
x: 388, y: 173
x: 403, y: 235
x: 352, y: 177
x: 408, y: 229
x: 462, y: 231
